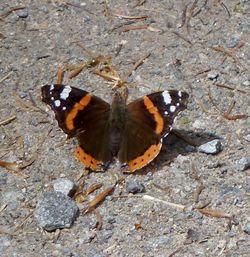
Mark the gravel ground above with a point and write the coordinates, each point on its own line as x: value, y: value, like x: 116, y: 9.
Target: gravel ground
x: 201, y: 47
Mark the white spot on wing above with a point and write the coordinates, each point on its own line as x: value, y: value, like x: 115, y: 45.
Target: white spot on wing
x: 166, y: 135
x: 166, y: 97
x: 172, y: 108
x: 57, y: 103
x: 64, y: 108
x: 180, y: 94
x: 52, y: 98
x: 166, y: 112
x: 178, y: 104
x: 51, y: 87
x: 65, y: 93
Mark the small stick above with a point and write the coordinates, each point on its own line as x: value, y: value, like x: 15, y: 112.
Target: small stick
x: 182, y: 37
x: 12, y: 9
x: 230, y: 88
x: 6, y: 76
x: 214, y: 213
x: 139, y: 63
x: 99, y: 219
x: 4, y: 122
x: 191, y: 12
x: 98, y: 199
x: 10, y: 166
x: 144, y: 17
x: 184, y: 16
x: 173, y: 205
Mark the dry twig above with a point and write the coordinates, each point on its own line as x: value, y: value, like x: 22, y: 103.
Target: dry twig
x: 12, y: 9
x: 173, y: 205
x: 139, y: 63
x: 182, y: 37
x: 99, y: 199
x: 6, y: 76
x: 226, y: 114
x: 8, y: 120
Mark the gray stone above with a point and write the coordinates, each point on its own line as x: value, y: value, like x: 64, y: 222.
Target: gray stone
x: 213, y: 75
x: 55, y: 210
x: 135, y: 187
x: 5, y: 242
x: 247, y: 137
x: 246, y: 228
x: 212, y: 147
x: 64, y: 186
x: 246, y: 83
x: 243, y: 164
x: 22, y: 13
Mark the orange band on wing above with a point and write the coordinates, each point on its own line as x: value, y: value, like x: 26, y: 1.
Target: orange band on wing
x: 77, y: 107
x: 146, y: 158
x: 86, y: 159
x: 153, y: 110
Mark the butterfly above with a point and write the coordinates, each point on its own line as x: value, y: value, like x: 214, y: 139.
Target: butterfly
x: 131, y: 132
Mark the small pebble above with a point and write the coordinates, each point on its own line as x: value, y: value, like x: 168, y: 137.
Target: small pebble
x: 247, y: 137
x: 213, y: 75
x: 22, y: 13
x: 135, y: 187
x: 243, y: 164
x: 246, y: 83
x: 55, y: 210
x: 212, y: 147
x: 246, y: 228
x: 64, y: 186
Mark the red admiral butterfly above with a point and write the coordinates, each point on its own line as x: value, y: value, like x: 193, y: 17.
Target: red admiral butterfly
x: 132, y: 132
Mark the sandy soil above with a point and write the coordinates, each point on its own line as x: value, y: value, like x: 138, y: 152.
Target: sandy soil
x: 201, y: 47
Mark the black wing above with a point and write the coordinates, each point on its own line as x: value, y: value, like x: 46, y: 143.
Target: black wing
x: 149, y: 119
x: 82, y: 115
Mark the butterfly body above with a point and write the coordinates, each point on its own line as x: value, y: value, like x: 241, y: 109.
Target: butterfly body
x: 131, y: 132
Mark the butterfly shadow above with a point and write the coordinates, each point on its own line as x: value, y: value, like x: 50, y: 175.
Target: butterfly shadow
x: 178, y: 142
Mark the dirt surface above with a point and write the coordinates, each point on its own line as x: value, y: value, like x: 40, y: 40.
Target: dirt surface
x: 201, y: 47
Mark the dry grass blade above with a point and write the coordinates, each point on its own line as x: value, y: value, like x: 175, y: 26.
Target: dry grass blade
x: 6, y: 76
x: 29, y: 162
x: 173, y: 205
x: 99, y: 219
x: 99, y: 199
x: 8, y: 120
x: 144, y: 17
x: 197, y: 192
x: 19, y: 226
x: 12, y: 166
x: 226, y: 114
x: 80, y: 195
x: 190, y: 15
x: 229, y: 53
x: 182, y: 37
x: 12, y: 9
x: 139, y: 63
x: 25, y: 105
x: 137, y: 27
x: 3, y: 207
x: 184, y: 16
x: 214, y: 213
x: 60, y: 75
x: 230, y: 88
